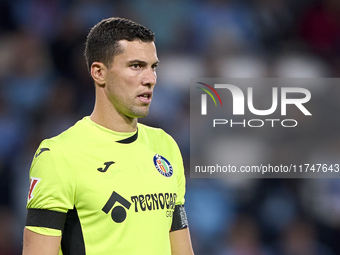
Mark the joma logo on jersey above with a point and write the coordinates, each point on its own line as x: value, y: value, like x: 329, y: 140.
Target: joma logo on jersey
x: 148, y: 202
x: 107, y: 165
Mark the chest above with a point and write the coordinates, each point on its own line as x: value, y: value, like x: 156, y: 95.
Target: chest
x: 134, y: 178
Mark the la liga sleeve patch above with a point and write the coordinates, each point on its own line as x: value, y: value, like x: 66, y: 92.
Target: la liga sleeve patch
x: 33, y: 183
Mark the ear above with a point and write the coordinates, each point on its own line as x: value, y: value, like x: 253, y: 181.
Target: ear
x: 98, y: 73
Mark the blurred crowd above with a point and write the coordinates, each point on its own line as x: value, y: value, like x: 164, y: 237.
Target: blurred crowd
x: 45, y: 88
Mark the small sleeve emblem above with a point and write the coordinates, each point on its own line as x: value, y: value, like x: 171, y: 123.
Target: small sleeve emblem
x: 33, y: 183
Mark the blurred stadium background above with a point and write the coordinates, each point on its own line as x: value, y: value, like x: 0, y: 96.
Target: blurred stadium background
x: 45, y: 88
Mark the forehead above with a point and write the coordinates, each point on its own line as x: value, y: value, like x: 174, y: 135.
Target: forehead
x: 137, y: 50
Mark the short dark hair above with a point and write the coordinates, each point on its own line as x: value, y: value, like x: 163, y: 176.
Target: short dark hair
x: 102, y: 41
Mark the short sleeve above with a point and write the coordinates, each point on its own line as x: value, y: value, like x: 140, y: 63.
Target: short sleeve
x: 51, y: 192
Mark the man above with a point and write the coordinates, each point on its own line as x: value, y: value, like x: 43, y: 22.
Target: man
x: 109, y: 185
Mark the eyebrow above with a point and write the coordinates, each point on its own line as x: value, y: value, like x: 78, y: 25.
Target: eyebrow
x: 142, y: 62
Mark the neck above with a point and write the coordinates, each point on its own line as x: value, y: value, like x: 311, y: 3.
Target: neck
x: 106, y: 115
x: 108, y: 121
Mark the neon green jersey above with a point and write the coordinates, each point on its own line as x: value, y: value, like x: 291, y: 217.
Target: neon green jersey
x: 106, y: 192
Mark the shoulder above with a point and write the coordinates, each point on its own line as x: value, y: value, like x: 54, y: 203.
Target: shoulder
x: 160, y: 141
x: 155, y: 134
x: 73, y: 135
x: 75, y: 132
x: 57, y: 144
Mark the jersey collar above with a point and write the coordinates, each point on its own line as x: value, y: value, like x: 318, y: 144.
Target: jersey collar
x: 119, y: 137
x: 130, y: 139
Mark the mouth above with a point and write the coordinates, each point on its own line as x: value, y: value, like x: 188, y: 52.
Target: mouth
x: 145, y: 97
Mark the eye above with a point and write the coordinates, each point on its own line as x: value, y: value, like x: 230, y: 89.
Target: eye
x: 135, y: 66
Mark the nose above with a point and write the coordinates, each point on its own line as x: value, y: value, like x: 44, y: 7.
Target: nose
x: 150, y: 77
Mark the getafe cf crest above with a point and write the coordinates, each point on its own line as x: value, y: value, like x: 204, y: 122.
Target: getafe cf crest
x: 162, y: 165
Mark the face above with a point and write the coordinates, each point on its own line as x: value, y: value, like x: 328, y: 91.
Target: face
x: 130, y: 80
